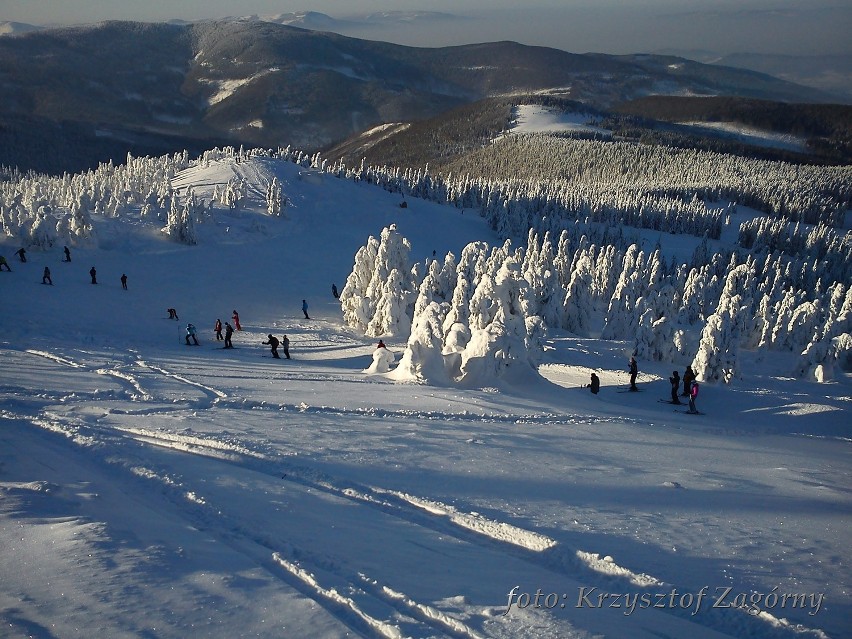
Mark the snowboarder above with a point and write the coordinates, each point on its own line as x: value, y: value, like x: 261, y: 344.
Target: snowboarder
x: 3, y: 263
x: 94, y: 275
x: 190, y: 332
x: 285, y: 344
x: 634, y: 371
x: 305, y: 309
x: 22, y: 254
x: 124, y: 281
x: 381, y: 344
x: 675, y: 382
x: 595, y: 384
x: 273, y: 342
x: 45, y: 279
x: 688, y: 376
x: 218, y: 330
x: 67, y: 255
x: 172, y: 313
x: 334, y: 291
x: 693, y: 393
x: 236, y: 318
x: 229, y: 330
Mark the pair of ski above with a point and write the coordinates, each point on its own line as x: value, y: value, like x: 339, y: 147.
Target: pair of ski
x: 677, y: 410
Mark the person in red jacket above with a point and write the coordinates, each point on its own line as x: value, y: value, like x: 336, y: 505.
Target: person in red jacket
x: 236, y: 318
x: 218, y: 330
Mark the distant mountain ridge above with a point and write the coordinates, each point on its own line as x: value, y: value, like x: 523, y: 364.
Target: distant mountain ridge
x: 262, y: 83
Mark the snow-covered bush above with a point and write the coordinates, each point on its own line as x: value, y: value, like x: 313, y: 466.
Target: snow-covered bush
x: 382, y: 360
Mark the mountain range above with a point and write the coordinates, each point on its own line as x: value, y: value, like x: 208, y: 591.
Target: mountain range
x: 145, y: 86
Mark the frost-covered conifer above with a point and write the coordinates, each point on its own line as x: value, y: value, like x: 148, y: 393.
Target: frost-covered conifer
x: 423, y: 359
x: 358, y: 309
x: 578, y: 305
x: 821, y: 358
x: 391, y: 315
x: 498, y: 331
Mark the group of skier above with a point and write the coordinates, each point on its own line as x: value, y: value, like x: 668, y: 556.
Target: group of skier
x: 46, y: 277
x: 273, y: 342
x: 689, y: 382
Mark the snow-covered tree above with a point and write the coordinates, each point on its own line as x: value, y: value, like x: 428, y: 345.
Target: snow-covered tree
x: 358, y: 308
x: 499, y: 343
x: 391, y: 314
x: 423, y: 359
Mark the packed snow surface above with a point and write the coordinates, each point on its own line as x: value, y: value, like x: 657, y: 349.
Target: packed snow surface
x: 154, y: 489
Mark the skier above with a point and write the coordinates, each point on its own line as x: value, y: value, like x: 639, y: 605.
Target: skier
x: 45, y: 279
x: 305, y: 309
x: 229, y: 330
x: 218, y: 330
x: 595, y: 384
x: 688, y: 376
x: 172, y: 313
x: 273, y: 345
x: 381, y: 344
x: 94, y: 275
x: 124, y: 281
x: 3, y: 263
x: 285, y: 344
x: 22, y: 254
x: 236, y: 318
x: 693, y: 393
x: 334, y: 291
x: 634, y: 371
x: 67, y: 255
x: 675, y: 382
x: 190, y: 332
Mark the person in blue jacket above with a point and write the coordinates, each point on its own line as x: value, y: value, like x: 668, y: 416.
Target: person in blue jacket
x: 190, y: 332
x: 305, y: 308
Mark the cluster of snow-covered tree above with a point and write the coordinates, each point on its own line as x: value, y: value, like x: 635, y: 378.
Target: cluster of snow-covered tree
x: 467, y: 321
x: 41, y: 211
x: 485, y: 314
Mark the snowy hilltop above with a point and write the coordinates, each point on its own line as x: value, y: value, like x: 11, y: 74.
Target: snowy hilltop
x: 460, y: 479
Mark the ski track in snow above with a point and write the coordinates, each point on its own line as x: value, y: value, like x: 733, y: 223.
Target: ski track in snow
x: 354, y: 598
x: 362, y: 592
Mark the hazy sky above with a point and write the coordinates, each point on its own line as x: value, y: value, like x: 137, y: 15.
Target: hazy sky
x: 607, y: 26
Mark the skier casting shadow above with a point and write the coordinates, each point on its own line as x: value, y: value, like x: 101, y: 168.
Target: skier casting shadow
x: 595, y: 384
x: 634, y: 371
x: 273, y: 342
x: 693, y: 393
x: 674, y: 380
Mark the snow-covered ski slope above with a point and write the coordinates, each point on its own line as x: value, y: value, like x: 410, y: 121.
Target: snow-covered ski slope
x: 154, y: 489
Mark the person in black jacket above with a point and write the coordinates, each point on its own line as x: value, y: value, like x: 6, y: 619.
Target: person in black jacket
x: 595, y: 384
x: 674, y: 380
x: 634, y: 371
x: 94, y: 275
x: 22, y: 254
x: 273, y: 344
x: 229, y: 330
x: 688, y: 376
